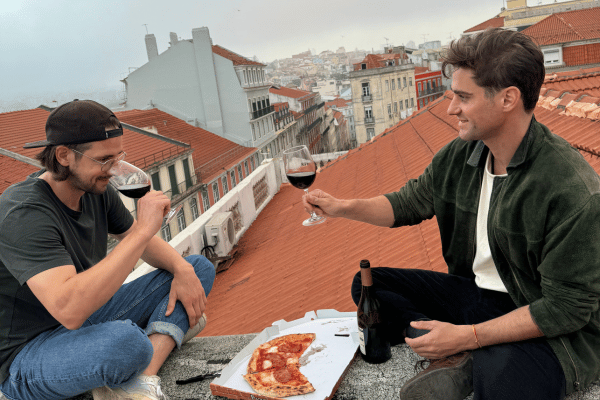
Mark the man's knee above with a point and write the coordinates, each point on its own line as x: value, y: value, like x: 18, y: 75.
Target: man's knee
x: 123, y: 351
x: 205, y: 270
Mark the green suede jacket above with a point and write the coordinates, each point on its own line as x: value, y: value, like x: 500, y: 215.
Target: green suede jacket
x: 544, y: 233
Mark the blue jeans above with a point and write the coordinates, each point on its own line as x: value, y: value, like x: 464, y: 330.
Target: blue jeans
x: 522, y: 370
x: 110, y: 348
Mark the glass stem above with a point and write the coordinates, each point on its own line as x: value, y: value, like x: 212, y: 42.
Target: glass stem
x: 312, y: 214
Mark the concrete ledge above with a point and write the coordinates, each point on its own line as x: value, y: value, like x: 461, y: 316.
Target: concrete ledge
x: 363, y: 381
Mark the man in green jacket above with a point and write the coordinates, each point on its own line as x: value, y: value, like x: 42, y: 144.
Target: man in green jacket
x: 518, y: 210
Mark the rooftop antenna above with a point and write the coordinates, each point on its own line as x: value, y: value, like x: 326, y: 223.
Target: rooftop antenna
x: 146, y: 25
x: 425, y: 37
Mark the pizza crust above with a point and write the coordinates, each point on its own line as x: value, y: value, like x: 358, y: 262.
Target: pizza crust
x: 265, y: 383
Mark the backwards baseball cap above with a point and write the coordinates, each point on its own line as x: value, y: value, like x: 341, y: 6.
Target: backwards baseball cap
x: 79, y: 121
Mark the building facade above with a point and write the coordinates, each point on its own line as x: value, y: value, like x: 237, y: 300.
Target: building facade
x: 207, y: 86
x: 383, y: 93
x: 428, y: 86
x: 308, y: 110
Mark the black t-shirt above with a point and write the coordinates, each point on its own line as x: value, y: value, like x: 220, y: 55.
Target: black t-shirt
x: 39, y: 232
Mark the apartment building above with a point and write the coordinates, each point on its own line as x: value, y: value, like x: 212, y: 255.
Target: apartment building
x: 428, y: 86
x: 383, y: 92
x: 207, y: 86
x: 307, y: 109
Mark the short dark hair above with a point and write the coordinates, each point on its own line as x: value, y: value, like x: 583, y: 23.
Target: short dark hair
x: 500, y: 58
x: 47, y: 158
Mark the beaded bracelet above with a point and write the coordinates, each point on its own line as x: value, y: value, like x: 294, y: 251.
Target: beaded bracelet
x: 476, y: 339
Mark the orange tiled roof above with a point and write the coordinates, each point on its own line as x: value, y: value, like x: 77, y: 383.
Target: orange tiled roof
x: 566, y: 27
x: 496, y: 22
x: 236, y: 58
x: 292, y: 93
x: 581, y: 81
x: 378, y: 60
x: 338, y: 102
x: 20, y: 127
x: 13, y: 171
x: 206, y: 145
x: 283, y: 269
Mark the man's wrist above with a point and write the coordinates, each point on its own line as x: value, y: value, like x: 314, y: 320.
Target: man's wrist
x: 182, y: 267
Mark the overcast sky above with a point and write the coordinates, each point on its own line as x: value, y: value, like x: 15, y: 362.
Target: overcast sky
x: 56, y: 47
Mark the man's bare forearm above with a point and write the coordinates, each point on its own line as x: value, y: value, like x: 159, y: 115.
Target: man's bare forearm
x: 376, y: 211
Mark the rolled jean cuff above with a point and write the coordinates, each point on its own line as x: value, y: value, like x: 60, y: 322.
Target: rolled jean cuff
x: 166, y: 328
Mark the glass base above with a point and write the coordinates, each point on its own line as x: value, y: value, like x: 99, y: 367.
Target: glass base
x: 315, y: 220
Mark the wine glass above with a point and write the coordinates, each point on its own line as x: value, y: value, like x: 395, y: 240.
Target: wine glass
x: 135, y: 183
x: 301, y: 171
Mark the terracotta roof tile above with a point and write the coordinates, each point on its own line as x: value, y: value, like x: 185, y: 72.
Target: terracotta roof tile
x: 582, y: 81
x: 338, y: 102
x: 20, y: 127
x: 566, y: 27
x: 496, y: 22
x: 236, y: 58
x: 292, y: 93
x: 283, y: 269
x: 379, y: 60
x: 13, y: 171
x: 206, y: 145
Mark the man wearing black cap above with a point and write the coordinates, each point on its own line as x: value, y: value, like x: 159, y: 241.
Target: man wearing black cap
x: 68, y: 324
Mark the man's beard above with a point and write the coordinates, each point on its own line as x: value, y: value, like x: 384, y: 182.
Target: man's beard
x: 78, y: 183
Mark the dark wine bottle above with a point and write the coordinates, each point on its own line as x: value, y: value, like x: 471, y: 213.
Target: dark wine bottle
x: 374, y: 346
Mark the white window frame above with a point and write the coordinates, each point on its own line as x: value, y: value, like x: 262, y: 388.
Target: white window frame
x: 194, y: 208
x: 553, y: 56
x: 181, y: 220
x: 166, y: 233
x: 205, y: 200
x: 225, y: 185
x: 233, y: 182
x: 215, y: 189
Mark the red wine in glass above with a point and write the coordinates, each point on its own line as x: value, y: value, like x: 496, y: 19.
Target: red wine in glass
x: 134, y: 191
x: 301, y: 172
x: 135, y: 183
x: 302, y: 180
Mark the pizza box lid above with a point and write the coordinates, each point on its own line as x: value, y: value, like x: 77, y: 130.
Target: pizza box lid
x: 324, y: 363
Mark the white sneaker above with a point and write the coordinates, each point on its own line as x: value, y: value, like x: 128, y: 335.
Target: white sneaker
x: 194, y: 330
x: 142, y: 387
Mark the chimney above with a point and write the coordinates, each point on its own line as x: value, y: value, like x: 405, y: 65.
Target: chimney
x: 151, y: 47
x: 174, y: 39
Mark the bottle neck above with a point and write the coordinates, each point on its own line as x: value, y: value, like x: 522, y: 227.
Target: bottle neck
x: 366, y: 278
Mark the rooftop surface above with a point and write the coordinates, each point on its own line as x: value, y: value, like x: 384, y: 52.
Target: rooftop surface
x: 212, y: 153
x: 291, y: 93
x: 362, y: 380
x: 234, y: 57
x: 583, y: 81
x: 569, y: 26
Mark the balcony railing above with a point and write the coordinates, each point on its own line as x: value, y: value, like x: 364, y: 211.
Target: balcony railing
x: 366, y: 97
x: 369, y: 120
x: 184, y: 188
x: 434, y: 90
x: 261, y: 113
x: 148, y: 161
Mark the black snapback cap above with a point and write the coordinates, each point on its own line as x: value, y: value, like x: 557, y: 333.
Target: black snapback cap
x: 79, y: 121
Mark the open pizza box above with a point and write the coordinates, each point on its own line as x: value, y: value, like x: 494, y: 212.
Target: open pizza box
x: 325, y: 361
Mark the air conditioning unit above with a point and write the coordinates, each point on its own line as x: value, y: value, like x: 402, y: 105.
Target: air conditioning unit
x: 220, y: 233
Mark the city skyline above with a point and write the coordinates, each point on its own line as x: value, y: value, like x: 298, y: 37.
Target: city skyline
x: 60, y: 47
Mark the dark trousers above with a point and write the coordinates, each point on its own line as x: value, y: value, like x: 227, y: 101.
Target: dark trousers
x: 522, y: 370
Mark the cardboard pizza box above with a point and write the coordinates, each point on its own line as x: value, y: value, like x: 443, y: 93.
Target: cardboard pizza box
x: 324, y: 363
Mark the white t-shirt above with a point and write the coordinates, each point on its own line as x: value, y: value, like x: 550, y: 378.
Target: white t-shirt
x: 486, y: 274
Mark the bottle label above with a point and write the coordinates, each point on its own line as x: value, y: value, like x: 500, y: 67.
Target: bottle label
x: 361, y: 337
